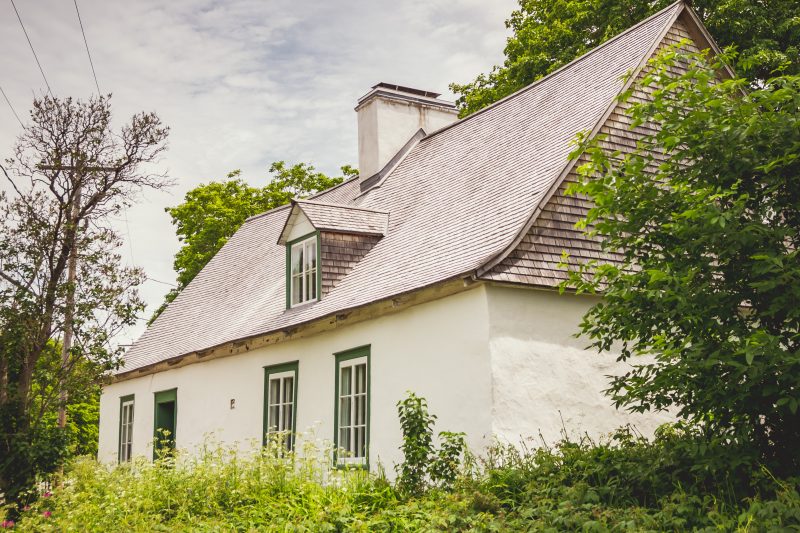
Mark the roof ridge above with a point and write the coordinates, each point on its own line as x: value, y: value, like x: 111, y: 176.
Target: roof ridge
x: 557, y: 71
x: 265, y: 213
x: 278, y: 208
x: 330, y: 204
x: 329, y: 189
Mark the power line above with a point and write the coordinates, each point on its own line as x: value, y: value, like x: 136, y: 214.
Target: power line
x: 12, y: 107
x: 128, y: 231
x: 162, y: 282
x: 96, y: 83
x: 32, y: 50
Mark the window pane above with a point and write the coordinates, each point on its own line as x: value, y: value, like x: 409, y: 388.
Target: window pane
x: 312, y: 285
x: 344, y: 439
x: 288, y: 386
x: 274, y: 418
x: 344, y: 412
x: 287, y: 417
x: 311, y: 254
x: 361, y: 378
x: 308, y: 287
x: 361, y: 410
x: 274, y: 391
x: 297, y: 258
x: 345, y: 386
x: 297, y: 289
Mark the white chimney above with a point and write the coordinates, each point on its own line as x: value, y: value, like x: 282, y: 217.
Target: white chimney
x: 389, y: 115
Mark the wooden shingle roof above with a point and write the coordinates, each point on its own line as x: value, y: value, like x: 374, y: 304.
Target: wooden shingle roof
x: 458, y: 201
x: 340, y: 218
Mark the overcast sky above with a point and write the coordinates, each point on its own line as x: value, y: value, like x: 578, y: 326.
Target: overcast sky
x: 241, y: 83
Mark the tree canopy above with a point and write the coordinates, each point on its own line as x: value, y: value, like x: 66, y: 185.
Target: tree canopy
x: 706, y: 215
x: 70, y: 172
x: 211, y: 213
x: 547, y: 34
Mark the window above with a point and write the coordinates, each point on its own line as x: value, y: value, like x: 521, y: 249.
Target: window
x: 280, y: 402
x: 351, y: 436
x: 165, y: 421
x: 125, y: 428
x: 303, y: 281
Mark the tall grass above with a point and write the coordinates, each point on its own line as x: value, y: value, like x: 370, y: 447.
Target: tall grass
x: 623, y: 483
x: 221, y: 489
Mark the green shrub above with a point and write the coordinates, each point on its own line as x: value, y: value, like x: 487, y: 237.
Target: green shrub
x: 422, y: 463
x: 623, y: 483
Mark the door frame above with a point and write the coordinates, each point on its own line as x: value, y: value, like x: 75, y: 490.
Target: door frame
x: 165, y: 396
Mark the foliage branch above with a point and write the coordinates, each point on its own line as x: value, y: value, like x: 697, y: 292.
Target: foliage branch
x: 705, y: 215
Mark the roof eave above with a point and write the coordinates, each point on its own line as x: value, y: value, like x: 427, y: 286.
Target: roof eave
x: 432, y: 291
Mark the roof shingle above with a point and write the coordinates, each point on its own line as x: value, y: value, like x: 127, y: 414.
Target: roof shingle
x: 459, y: 198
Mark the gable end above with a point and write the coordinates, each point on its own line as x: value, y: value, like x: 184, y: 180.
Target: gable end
x: 535, y: 258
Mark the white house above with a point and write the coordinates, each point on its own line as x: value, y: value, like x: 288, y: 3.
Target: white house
x: 434, y: 271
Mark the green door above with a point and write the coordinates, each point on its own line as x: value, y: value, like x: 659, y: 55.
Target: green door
x: 165, y: 421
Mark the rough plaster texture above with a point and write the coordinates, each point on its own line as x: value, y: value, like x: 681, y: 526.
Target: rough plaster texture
x: 437, y: 349
x: 543, y: 380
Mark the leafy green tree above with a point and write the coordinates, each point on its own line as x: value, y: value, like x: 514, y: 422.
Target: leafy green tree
x: 706, y: 215
x: 70, y: 172
x: 548, y: 34
x: 211, y: 213
x: 83, y: 402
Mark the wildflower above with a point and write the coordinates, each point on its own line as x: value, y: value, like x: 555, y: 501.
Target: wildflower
x: 47, y: 514
x: 47, y: 494
x: 7, y: 524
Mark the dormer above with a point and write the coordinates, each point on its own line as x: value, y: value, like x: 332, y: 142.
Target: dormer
x: 323, y: 243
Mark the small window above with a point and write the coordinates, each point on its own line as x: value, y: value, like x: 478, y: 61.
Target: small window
x: 280, y: 401
x: 303, y: 282
x: 125, y: 428
x: 352, y: 407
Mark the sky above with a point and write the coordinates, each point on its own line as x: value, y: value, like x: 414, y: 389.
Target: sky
x: 241, y: 83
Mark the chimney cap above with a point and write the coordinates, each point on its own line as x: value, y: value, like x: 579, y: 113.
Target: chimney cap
x: 408, y: 94
x: 403, y: 89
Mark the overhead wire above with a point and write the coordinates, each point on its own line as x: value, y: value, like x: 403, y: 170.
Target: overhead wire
x: 97, y: 85
x: 162, y: 282
x: 11, y: 107
x: 32, y: 50
x: 85, y: 42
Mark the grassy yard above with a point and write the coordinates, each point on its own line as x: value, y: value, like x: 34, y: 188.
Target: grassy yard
x: 625, y: 483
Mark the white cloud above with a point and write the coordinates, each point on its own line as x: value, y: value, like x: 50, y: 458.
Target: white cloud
x: 241, y: 83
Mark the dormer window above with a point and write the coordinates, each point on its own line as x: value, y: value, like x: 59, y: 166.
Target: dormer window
x: 323, y: 244
x: 303, y: 268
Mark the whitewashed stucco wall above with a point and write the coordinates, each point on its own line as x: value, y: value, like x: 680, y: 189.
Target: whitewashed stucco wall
x: 542, y: 374
x: 494, y: 362
x: 438, y: 349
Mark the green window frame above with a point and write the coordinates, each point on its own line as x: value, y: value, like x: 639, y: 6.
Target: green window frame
x: 280, y: 404
x: 165, y: 417
x: 352, y: 408
x: 126, y: 414
x: 303, y: 284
